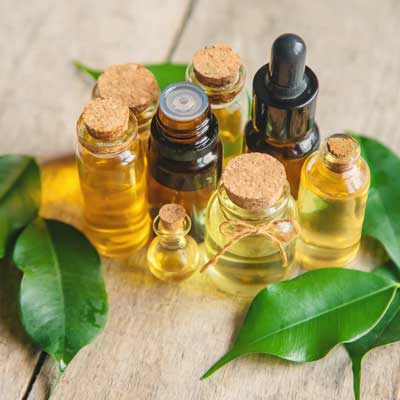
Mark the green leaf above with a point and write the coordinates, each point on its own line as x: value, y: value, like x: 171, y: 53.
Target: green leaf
x: 385, y: 332
x: 382, y: 215
x: 63, y: 301
x: 19, y: 196
x: 302, y: 319
x: 165, y: 73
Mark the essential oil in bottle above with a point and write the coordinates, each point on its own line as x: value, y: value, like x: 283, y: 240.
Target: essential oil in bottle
x: 251, y: 226
x: 111, y: 171
x: 220, y: 72
x: 173, y: 255
x: 135, y: 86
x: 185, y: 153
x: 332, y: 198
x: 283, y: 108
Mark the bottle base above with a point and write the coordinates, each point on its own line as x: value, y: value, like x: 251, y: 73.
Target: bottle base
x: 314, y: 257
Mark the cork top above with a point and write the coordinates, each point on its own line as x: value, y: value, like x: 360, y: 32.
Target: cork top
x: 341, y: 147
x: 216, y: 65
x: 132, y: 83
x: 254, y: 181
x: 106, y: 119
x: 172, y: 216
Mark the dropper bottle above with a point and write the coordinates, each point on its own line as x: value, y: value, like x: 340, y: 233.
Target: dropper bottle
x: 283, y: 108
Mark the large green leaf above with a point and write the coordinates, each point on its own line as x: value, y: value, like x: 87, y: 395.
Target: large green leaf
x: 382, y: 215
x: 63, y: 302
x: 165, y: 73
x: 302, y: 319
x: 19, y: 195
x: 385, y: 332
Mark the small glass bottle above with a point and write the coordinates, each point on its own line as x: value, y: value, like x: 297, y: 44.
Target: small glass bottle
x: 173, y: 255
x: 332, y: 198
x: 220, y: 72
x: 135, y: 86
x: 185, y: 153
x: 283, y: 108
x: 111, y: 171
x: 251, y: 226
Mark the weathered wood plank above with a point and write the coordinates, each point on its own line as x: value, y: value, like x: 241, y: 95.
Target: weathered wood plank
x: 42, y: 96
x: 41, y: 92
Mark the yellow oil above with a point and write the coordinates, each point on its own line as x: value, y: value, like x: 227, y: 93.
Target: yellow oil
x: 115, y: 204
x: 230, y: 123
x: 173, y: 264
x: 331, y: 212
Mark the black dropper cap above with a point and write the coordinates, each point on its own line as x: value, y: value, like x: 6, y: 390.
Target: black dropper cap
x: 285, y: 91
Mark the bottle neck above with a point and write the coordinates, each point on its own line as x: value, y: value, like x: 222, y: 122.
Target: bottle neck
x: 107, y: 147
x: 219, y: 95
x: 172, y: 239
x: 231, y: 211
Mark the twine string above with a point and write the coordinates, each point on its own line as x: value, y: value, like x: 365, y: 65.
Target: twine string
x: 237, y: 230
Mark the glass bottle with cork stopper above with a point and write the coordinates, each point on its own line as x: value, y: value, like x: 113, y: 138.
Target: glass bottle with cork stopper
x: 332, y: 199
x: 219, y: 71
x: 173, y: 255
x: 251, y: 226
x: 283, y: 108
x: 185, y: 153
x: 111, y: 171
x: 135, y: 86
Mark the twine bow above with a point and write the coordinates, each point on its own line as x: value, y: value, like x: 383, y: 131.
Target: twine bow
x: 237, y: 230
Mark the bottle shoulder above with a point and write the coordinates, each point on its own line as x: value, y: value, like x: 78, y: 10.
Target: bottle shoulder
x: 316, y: 176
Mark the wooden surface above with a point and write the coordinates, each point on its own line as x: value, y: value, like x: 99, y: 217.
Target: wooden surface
x: 160, y: 338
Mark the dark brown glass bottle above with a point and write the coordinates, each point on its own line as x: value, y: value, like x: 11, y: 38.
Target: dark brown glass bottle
x: 185, y: 153
x: 283, y: 108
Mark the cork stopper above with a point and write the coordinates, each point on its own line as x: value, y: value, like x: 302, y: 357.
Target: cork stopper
x: 172, y: 216
x: 131, y: 83
x: 216, y: 65
x: 341, y: 147
x: 106, y: 119
x: 254, y: 181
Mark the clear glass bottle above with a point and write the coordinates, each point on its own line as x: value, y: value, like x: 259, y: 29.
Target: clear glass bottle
x: 283, y: 108
x: 112, y: 179
x: 185, y: 153
x: 173, y: 255
x: 332, y: 198
x: 224, y: 85
x: 136, y: 87
x: 255, y: 260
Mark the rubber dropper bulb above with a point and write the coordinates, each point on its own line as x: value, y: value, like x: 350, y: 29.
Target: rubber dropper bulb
x: 286, y: 76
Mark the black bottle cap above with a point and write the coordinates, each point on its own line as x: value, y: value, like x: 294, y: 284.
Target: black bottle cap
x: 285, y: 91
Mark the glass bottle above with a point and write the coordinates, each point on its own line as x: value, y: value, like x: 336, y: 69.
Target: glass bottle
x: 253, y: 201
x: 185, y: 153
x: 135, y: 86
x: 112, y: 179
x: 332, y: 198
x: 283, y: 108
x: 219, y: 71
x: 173, y: 255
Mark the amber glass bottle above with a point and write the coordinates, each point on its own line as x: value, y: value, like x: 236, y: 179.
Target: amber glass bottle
x: 332, y: 199
x: 283, y: 108
x: 254, y: 215
x: 185, y: 153
x: 136, y: 87
x: 173, y: 255
x: 220, y: 72
x: 111, y: 171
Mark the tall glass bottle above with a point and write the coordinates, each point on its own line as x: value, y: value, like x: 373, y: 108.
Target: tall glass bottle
x: 283, y: 108
x: 220, y: 72
x: 251, y: 226
x: 332, y: 198
x: 111, y: 171
x: 185, y: 153
x: 134, y: 85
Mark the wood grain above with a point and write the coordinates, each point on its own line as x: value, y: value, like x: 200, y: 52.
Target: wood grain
x: 160, y: 338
